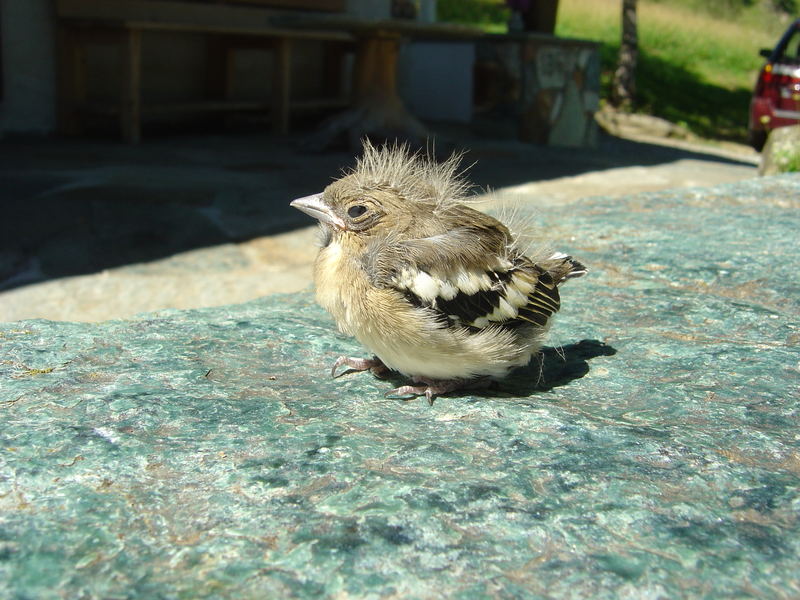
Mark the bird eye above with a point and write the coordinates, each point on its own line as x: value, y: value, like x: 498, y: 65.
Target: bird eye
x: 356, y: 211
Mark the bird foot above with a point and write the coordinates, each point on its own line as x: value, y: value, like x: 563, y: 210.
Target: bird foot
x: 360, y: 364
x: 433, y: 388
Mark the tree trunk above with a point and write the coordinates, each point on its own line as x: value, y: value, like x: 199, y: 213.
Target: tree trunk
x: 623, y: 92
x: 541, y: 16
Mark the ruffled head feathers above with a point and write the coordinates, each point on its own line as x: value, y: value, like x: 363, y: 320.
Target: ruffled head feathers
x: 412, y: 175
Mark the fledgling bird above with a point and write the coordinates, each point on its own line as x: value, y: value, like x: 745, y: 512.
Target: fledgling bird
x: 438, y: 291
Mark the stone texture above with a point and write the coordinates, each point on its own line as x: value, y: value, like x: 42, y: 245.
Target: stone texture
x: 537, y: 87
x: 781, y: 153
x: 653, y: 453
x: 620, y: 122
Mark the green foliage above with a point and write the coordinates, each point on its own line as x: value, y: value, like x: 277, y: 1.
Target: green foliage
x: 787, y: 6
x: 488, y: 13
x: 787, y: 159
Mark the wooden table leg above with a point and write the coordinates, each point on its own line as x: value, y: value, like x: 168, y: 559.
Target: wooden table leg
x: 131, y: 101
x: 333, y: 72
x: 71, y: 81
x: 377, y: 108
x: 220, y: 66
x: 281, y: 85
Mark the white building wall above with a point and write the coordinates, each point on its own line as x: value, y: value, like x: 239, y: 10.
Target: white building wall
x: 370, y: 9
x: 435, y: 79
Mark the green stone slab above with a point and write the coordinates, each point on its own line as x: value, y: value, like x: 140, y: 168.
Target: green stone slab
x: 652, y: 453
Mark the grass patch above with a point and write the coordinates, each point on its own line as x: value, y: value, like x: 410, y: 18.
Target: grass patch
x: 491, y: 15
x: 697, y: 67
x: 698, y: 60
x: 697, y: 64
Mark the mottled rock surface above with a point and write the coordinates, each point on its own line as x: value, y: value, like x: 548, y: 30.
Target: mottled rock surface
x: 653, y: 453
x: 781, y: 153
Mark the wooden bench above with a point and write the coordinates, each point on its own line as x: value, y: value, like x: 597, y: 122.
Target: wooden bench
x: 376, y: 107
x: 229, y: 28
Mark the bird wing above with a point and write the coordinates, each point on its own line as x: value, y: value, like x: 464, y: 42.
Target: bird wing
x: 469, y: 278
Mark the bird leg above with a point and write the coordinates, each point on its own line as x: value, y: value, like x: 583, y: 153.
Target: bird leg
x: 434, y: 387
x: 360, y: 364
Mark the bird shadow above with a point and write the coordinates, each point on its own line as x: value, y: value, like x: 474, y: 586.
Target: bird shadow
x: 551, y: 368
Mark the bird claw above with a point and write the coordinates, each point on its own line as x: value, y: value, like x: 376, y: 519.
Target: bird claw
x: 359, y: 364
x: 430, y: 388
x: 433, y: 388
x: 409, y: 392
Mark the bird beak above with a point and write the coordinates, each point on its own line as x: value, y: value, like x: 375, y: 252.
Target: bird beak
x: 314, y: 206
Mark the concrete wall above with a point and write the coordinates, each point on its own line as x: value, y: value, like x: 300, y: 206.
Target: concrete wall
x: 435, y: 79
x: 28, y: 103
x: 370, y: 9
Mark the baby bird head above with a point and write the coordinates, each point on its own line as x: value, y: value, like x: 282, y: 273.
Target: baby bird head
x: 390, y: 190
x: 345, y: 207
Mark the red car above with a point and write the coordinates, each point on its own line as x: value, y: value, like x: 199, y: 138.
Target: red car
x: 776, y: 100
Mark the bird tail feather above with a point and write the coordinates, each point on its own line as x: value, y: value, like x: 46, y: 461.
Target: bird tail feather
x: 563, y: 267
